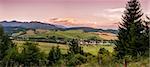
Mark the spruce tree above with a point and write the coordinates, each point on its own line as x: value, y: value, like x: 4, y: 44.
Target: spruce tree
x: 131, y: 35
x: 147, y: 34
x: 5, y: 48
x: 146, y: 24
x: 5, y: 43
x: 74, y: 47
x: 75, y: 54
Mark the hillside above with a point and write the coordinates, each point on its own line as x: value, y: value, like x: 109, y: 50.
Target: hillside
x: 15, y: 26
x: 63, y: 37
x: 90, y: 29
x: 107, y: 36
x: 70, y: 34
x: 11, y: 26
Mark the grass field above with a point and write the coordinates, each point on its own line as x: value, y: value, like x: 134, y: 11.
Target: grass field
x: 45, y: 47
x: 93, y: 49
x: 71, y: 34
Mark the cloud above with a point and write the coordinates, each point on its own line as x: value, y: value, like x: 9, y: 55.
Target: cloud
x: 73, y: 22
x: 84, y: 23
x: 110, y: 14
x: 115, y: 10
x: 107, y: 18
x: 64, y: 21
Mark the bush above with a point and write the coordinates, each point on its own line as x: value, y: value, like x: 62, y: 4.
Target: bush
x: 104, y: 56
x: 75, y: 59
x: 54, y: 55
x: 31, y: 54
x: 74, y: 47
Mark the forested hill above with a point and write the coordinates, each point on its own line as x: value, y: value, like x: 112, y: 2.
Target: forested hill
x: 89, y: 29
x: 31, y: 25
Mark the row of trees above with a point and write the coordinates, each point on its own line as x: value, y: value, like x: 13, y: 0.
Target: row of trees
x: 29, y: 54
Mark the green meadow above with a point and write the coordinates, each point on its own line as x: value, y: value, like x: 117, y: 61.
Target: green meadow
x: 48, y: 34
x: 45, y: 47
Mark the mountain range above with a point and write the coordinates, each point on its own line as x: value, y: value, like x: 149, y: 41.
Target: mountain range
x: 11, y: 26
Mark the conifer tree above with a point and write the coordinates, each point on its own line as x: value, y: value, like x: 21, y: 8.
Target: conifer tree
x: 6, y: 46
x: 146, y: 24
x: 131, y: 35
x: 31, y: 54
x: 54, y: 55
x: 5, y: 43
x: 146, y: 37
x: 74, y: 47
x: 11, y: 58
x: 1, y: 30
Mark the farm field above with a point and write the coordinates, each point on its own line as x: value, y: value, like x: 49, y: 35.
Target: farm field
x: 45, y: 47
x: 71, y: 34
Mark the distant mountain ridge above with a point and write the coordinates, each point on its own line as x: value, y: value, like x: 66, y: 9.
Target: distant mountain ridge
x: 89, y: 29
x: 11, y: 26
x: 32, y: 25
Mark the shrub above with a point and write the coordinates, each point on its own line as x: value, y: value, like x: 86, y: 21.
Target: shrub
x: 104, y: 56
x: 75, y: 59
x: 54, y: 55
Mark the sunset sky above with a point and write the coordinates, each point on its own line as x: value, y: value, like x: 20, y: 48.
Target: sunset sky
x: 92, y: 13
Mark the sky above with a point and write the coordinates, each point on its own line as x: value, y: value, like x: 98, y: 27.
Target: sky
x: 91, y: 13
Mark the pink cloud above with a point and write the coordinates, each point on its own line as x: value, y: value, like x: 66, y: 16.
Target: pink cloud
x: 77, y: 22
